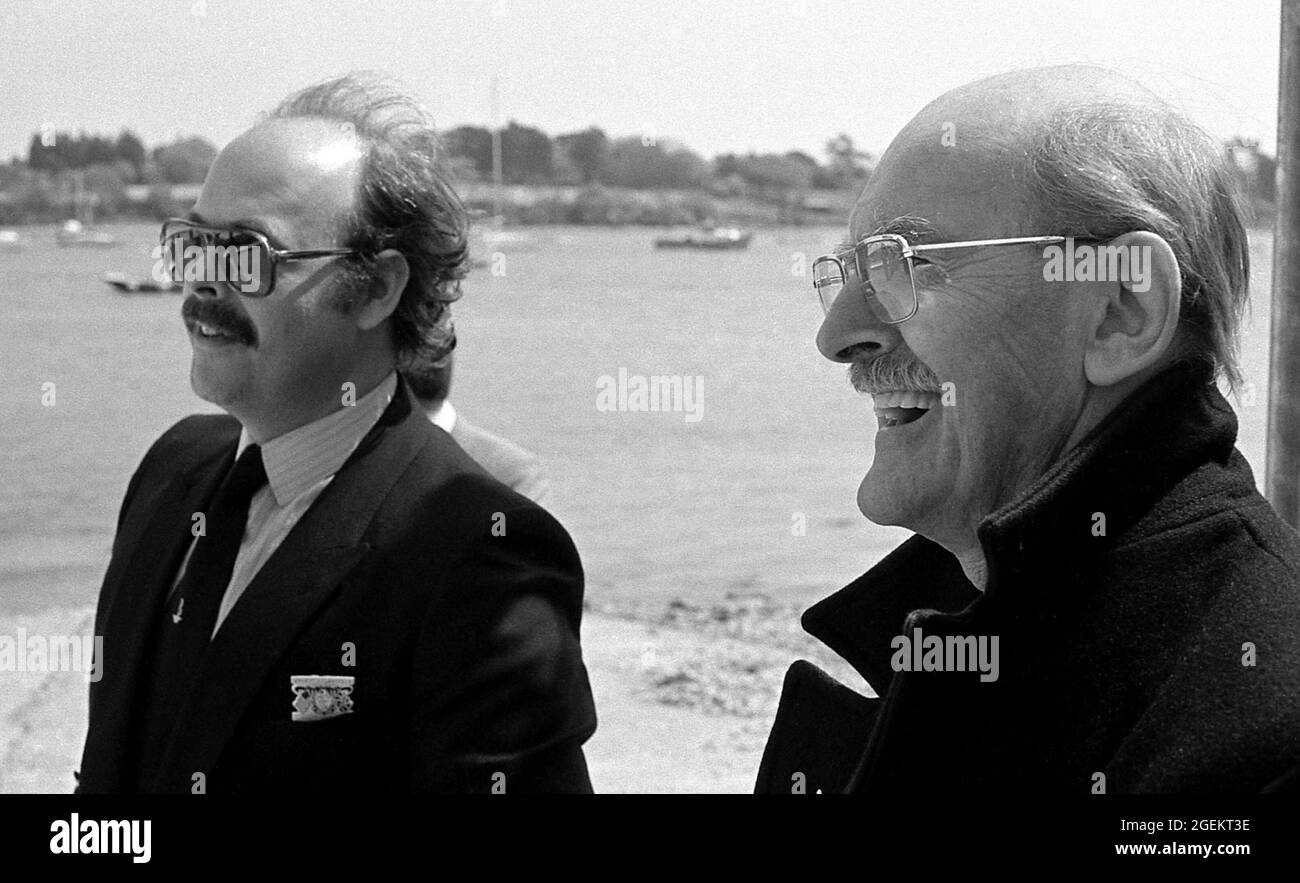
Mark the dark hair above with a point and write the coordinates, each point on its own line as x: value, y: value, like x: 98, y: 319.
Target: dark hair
x: 406, y: 201
x: 1102, y: 169
x: 429, y: 380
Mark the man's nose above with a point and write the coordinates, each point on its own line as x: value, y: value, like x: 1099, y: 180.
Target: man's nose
x: 203, y: 289
x: 851, y: 326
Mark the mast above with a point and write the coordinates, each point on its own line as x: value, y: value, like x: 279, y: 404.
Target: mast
x: 79, y: 206
x: 496, y: 151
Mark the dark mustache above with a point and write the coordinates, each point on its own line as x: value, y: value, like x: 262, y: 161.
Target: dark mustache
x: 220, y: 315
x: 892, y: 371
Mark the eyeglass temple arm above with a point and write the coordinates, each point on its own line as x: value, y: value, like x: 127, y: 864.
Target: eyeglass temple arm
x: 313, y: 252
x: 972, y: 243
x: 278, y: 252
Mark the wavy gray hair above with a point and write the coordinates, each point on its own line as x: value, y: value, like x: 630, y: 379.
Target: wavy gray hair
x: 1106, y: 168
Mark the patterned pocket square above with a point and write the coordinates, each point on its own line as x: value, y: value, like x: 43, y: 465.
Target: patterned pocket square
x: 321, y: 697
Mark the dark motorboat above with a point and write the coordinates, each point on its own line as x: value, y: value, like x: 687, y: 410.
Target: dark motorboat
x: 127, y: 285
x: 712, y: 238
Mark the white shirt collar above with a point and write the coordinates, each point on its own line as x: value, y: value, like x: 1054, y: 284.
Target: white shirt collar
x: 445, y: 417
x: 302, y: 457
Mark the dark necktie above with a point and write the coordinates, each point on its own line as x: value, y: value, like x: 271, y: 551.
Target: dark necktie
x: 191, y: 610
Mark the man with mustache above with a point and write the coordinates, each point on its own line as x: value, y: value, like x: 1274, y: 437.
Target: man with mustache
x: 1096, y: 599
x: 320, y: 592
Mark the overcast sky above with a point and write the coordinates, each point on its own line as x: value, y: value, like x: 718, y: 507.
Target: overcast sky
x: 765, y: 75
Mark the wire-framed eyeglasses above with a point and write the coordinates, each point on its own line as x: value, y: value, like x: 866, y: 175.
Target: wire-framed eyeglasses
x: 882, y: 270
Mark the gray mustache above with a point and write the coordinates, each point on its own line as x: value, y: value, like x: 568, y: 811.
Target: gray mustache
x: 890, y: 372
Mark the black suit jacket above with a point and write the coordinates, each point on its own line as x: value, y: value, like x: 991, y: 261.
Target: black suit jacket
x: 457, y: 600
x: 1159, y: 648
x: 504, y: 460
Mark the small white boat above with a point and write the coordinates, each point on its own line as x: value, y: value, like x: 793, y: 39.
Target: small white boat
x: 10, y: 240
x: 80, y: 231
x: 73, y: 233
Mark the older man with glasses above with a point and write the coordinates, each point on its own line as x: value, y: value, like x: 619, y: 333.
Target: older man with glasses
x: 319, y: 592
x: 1096, y: 598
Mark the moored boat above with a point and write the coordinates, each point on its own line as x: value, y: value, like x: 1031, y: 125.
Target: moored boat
x: 79, y: 231
x: 73, y: 233
x: 128, y: 285
x: 708, y: 238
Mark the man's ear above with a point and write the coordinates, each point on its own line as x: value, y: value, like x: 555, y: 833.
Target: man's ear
x: 1134, y: 328
x: 391, y: 273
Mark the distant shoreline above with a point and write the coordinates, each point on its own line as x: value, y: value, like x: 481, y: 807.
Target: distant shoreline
x: 482, y: 221
x: 590, y: 206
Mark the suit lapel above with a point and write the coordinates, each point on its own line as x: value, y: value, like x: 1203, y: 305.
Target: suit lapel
x: 302, y: 574
x: 136, y: 589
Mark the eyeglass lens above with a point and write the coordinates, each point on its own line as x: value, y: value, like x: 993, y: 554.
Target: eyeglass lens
x: 888, y: 279
x: 234, y: 257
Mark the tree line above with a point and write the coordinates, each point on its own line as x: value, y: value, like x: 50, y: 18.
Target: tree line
x: 530, y: 157
x: 61, y: 166
x: 184, y: 161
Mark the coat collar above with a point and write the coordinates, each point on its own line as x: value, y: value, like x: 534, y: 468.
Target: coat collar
x: 1175, y: 422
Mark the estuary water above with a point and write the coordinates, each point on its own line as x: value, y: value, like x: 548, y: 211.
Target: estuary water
x: 748, y: 490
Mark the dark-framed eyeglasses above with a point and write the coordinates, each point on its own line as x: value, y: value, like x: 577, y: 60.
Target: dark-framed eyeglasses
x: 882, y: 269
x: 238, y: 257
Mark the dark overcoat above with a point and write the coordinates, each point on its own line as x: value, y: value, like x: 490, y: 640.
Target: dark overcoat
x: 1146, y: 599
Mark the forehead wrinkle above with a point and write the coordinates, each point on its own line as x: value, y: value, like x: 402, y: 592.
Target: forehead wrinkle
x: 964, y: 189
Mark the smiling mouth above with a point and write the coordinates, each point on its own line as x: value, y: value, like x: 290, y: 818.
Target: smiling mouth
x: 899, y: 408
x: 213, y: 332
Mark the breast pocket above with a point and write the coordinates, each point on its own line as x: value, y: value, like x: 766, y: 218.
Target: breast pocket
x: 303, y: 757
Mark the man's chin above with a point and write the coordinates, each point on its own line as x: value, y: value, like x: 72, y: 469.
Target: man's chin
x: 216, y: 390
x: 883, y: 503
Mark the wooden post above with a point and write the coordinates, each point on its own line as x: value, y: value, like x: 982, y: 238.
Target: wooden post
x: 1283, y: 484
